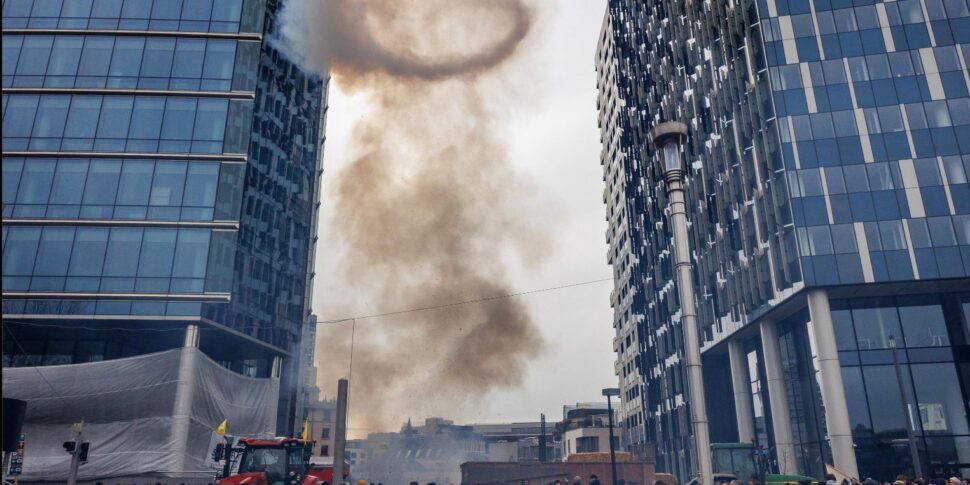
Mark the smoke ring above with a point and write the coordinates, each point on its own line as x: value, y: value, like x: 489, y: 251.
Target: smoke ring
x: 361, y: 50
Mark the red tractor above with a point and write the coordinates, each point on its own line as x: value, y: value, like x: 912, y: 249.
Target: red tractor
x: 277, y: 461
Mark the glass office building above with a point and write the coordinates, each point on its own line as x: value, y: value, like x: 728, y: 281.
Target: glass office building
x: 161, y: 166
x: 829, y: 209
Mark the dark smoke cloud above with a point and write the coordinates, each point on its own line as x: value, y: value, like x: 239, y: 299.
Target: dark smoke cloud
x: 428, y: 204
x: 387, y: 37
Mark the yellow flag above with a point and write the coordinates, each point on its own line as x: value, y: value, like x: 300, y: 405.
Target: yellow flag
x: 306, y: 430
x: 221, y: 430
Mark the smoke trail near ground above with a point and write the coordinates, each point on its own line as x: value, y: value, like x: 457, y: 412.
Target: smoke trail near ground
x: 427, y: 205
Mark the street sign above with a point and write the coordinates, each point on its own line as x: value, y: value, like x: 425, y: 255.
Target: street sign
x: 17, y: 458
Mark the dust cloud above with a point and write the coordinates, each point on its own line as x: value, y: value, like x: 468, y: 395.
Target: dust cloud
x: 428, y: 206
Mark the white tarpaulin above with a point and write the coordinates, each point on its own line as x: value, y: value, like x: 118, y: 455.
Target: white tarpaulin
x: 153, y: 414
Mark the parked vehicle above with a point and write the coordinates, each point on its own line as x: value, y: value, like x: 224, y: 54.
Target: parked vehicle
x: 278, y: 461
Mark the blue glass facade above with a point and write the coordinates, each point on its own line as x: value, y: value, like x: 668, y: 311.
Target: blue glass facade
x: 126, y: 189
x: 828, y: 151
x: 89, y: 61
x: 242, y: 16
x: 161, y: 167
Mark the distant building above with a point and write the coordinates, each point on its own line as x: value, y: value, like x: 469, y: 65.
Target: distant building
x: 321, y: 419
x: 356, y: 454
x: 429, y: 453
x: 518, y: 441
x: 318, y: 415
x: 307, y: 391
x: 586, y: 430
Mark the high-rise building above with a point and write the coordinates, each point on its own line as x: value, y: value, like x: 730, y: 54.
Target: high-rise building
x: 829, y: 224
x: 161, y: 166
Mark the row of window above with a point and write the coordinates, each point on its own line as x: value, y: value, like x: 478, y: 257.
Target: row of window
x: 116, y: 259
x: 914, y: 321
x: 880, y: 205
x: 939, y: 405
x: 861, y: 18
x: 871, y: 41
x: 921, y: 110
x: 120, y: 189
x: 878, y: 176
x: 116, y: 123
x: 931, y: 382
x: 163, y: 15
x: 73, y: 61
x: 909, y: 90
x: 866, y: 16
x: 943, y: 142
x: 888, y: 119
x: 930, y: 232
x: 101, y: 307
x: 870, y: 68
x: 58, y: 352
x: 893, y: 265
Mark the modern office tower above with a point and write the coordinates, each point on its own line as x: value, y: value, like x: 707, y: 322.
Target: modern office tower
x: 161, y: 166
x: 829, y: 224
x: 623, y: 196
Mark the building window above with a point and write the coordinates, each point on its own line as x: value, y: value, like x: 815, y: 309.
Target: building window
x: 325, y: 434
x: 223, y: 16
x: 324, y: 450
x: 938, y: 399
x: 115, y: 123
x: 587, y: 444
x: 106, y: 259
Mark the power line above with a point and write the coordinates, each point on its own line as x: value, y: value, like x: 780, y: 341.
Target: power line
x: 464, y: 302
x: 323, y: 322
x: 35, y: 367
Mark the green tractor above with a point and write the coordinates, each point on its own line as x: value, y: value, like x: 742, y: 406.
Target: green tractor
x: 744, y: 461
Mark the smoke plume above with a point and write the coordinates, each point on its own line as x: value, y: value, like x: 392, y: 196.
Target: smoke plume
x: 427, y: 205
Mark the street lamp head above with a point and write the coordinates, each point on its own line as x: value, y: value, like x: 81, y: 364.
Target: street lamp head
x: 667, y: 137
x: 611, y: 391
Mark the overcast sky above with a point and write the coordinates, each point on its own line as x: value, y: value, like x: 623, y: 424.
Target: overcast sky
x: 551, y: 137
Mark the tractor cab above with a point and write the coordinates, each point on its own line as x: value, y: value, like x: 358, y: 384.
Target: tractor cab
x: 278, y: 461
x: 745, y: 462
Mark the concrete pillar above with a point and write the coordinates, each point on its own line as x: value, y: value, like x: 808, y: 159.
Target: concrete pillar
x: 340, y: 432
x: 837, y: 424
x: 184, y: 391
x: 741, y: 382
x: 191, y: 336
x: 778, y: 399
x: 277, y: 368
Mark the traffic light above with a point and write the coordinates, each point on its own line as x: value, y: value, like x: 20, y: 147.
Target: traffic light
x: 84, y: 452
x: 218, y: 452
x: 69, y: 446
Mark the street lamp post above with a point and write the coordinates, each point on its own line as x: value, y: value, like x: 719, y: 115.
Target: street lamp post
x: 609, y: 393
x: 668, y: 138
x: 904, y: 401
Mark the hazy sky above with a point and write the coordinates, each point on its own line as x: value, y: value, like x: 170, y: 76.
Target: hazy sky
x: 551, y: 138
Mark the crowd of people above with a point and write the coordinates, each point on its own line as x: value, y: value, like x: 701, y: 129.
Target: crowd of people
x: 593, y: 480
x: 900, y: 480
x: 829, y: 480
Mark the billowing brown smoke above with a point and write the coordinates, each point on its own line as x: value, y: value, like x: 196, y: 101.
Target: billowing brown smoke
x: 427, y: 206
